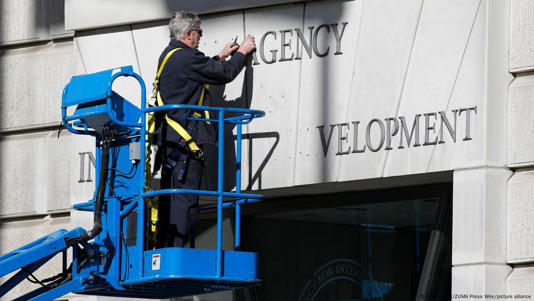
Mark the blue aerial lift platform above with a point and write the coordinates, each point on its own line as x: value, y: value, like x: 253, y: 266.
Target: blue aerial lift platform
x: 114, y: 258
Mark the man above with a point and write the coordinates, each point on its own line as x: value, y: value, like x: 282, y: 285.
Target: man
x: 183, y: 81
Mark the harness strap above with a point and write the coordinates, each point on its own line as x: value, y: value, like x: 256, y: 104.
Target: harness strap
x: 148, y: 168
x: 160, y: 69
x: 201, y: 101
x: 177, y: 127
x: 186, y: 140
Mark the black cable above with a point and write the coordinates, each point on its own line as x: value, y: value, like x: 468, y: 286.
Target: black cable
x: 34, y: 279
x: 45, y: 282
x: 127, y: 255
x: 59, y: 129
x: 107, y: 137
x: 65, y: 276
x: 122, y: 172
x: 112, y: 190
x: 31, y: 278
x: 58, y: 276
x: 84, y: 262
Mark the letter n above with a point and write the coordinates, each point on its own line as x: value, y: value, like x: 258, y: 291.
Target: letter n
x: 90, y: 165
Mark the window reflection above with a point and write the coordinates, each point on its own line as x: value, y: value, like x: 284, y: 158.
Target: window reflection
x: 360, y: 252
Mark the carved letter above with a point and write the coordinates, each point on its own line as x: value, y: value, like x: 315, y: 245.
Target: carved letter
x: 324, y: 141
x: 285, y: 44
x: 445, y: 121
x: 429, y: 127
x: 389, y: 134
x: 368, y: 135
x: 415, y: 128
x: 338, y: 37
x: 314, y: 41
x: 305, y: 43
x: 262, y: 48
x: 342, y: 136
x: 82, y: 166
x: 255, y: 59
x: 92, y: 161
x: 468, y: 121
x: 355, y: 143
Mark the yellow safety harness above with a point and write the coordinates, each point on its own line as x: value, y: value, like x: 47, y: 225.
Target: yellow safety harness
x: 156, y: 100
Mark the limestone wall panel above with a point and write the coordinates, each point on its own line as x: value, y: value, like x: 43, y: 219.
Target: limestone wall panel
x: 377, y: 75
x: 26, y: 20
x: 520, y: 211
x: 520, y: 125
x: 479, y: 204
x: 521, y: 282
x: 22, y: 20
x: 475, y: 281
x: 467, y: 146
x: 498, y: 82
x: 275, y: 91
x: 56, y: 18
x: 31, y: 83
x: 325, y: 86
x: 58, y: 170
x: 111, y: 48
x: 37, y: 173
x: 100, y: 13
x: 446, y: 30
x: 521, y: 36
x: 149, y: 43
x: 21, y: 186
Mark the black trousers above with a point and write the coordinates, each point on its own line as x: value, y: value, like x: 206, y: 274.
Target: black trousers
x: 177, y: 212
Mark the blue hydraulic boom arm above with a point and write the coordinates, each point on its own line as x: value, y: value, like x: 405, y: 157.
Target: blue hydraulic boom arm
x: 113, y: 258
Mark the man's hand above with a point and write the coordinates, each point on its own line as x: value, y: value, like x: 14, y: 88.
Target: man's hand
x: 248, y: 45
x: 228, y: 49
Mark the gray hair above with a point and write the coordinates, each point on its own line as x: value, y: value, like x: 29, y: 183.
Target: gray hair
x: 181, y: 21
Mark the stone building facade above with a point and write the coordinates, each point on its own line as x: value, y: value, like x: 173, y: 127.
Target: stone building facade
x: 388, y: 124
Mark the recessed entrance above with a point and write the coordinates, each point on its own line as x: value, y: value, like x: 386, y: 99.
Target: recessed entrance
x: 374, y: 248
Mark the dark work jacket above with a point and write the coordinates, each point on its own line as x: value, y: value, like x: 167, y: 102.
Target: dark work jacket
x: 181, y: 81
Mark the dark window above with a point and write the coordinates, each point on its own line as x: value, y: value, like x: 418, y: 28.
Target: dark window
x: 353, y: 246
